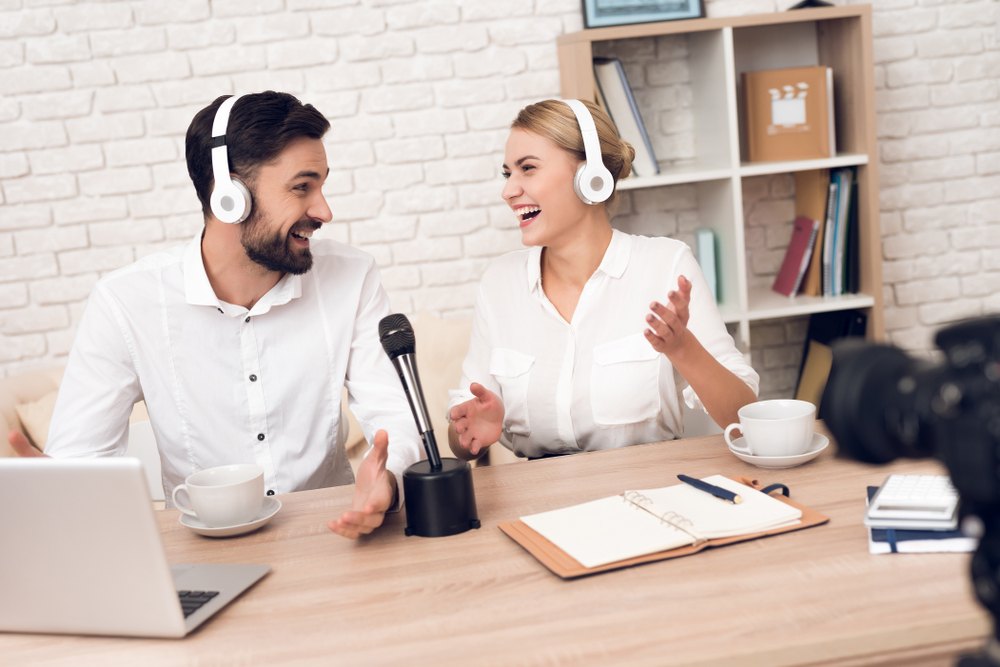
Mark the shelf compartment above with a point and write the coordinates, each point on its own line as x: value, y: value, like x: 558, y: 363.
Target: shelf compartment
x: 789, y: 166
x: 677, y: 176
x: 766, y: 304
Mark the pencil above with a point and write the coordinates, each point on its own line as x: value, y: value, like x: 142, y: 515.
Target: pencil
x: 717, y: 491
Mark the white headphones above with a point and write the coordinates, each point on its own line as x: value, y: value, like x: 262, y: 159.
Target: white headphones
x: 593, y: 182
x: 230, y: 201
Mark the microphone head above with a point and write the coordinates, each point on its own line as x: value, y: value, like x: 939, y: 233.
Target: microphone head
x: 396, y: 335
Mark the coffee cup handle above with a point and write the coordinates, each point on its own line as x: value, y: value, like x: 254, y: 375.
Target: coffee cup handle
x: 186, y: 507
x: 733, y: 446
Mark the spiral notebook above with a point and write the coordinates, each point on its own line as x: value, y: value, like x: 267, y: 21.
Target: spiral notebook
x: 640, y: 526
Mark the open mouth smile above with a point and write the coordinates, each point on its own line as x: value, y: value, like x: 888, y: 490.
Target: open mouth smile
x: 303, y: 232
x: 526, y: 214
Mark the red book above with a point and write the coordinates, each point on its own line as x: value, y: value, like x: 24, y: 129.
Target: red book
x: 800, y: 248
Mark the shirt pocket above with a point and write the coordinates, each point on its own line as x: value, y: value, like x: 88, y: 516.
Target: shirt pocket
x: 624, y: 381
x: 512, y: 369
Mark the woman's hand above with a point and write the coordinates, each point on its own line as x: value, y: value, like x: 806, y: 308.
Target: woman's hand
x: 668, y: 331
x: 477, y: 423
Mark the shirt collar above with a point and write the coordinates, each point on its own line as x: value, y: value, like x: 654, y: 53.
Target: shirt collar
x: 198, y: 290
x: 617, y: 255
x: 613, y: 264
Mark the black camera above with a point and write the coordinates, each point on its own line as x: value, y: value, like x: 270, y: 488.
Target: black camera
x: 882, y: 404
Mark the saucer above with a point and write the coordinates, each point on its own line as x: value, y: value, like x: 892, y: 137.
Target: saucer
x: 269, y: 509
x: 819, y: 443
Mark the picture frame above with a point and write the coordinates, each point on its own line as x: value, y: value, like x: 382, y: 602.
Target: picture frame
x: 602, y: 13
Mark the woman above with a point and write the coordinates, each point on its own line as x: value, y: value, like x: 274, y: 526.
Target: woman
x: 572, y: 349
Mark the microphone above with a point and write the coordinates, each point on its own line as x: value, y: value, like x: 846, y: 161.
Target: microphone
x: 396, y: 335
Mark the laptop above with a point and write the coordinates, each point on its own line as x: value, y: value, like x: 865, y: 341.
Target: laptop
x: 81, y: 554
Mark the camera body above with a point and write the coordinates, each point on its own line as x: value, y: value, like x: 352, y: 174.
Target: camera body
x: 882, y: 404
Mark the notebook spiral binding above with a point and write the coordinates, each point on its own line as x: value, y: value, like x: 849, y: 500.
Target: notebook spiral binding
x: 678, y: 521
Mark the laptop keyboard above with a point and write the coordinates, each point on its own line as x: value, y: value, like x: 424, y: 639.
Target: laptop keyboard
x: 192, y: 601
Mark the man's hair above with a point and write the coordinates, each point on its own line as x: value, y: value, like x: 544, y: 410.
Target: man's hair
x: 261, y: 126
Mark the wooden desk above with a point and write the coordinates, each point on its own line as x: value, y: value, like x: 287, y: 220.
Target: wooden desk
x: 814, y: 596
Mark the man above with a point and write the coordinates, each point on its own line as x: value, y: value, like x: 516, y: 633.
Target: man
x: 241, y: 342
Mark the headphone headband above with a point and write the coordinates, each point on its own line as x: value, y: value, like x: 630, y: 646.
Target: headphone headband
x: 230, y: 201
x: 593, y: 183
x: 591, y: 144
x: 221, y: 121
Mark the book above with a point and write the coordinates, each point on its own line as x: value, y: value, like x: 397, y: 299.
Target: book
x: 838, y: 262
x: 817, y: 358
x: 789, y: 113
x: 829, y: 232
x: 811, y: 188
x: 852, y: 277
x: 706, y: 250
x: 615, y: 95
x: 816, y: 365
x: 797, y: 256
x: 903, y: 541
x: 647, y: 525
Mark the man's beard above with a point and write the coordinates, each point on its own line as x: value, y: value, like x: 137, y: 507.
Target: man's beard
x: 271, y: 250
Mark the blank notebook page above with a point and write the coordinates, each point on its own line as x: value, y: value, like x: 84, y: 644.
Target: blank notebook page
x: 606, y: 530
x: 717, y: 518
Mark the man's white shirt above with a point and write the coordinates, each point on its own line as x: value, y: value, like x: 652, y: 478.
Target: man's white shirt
x: 224, y: 384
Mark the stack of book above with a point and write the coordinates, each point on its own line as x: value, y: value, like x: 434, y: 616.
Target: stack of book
x: 822, y: 256
x: 915, y: 514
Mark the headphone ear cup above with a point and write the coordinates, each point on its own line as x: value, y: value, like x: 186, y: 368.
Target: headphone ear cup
x: 578, y: 185
x: 231, y: 201
x: 593, y: 183
x: 245, y: 201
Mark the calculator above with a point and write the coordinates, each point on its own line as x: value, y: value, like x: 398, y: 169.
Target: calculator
x: 914, y: 502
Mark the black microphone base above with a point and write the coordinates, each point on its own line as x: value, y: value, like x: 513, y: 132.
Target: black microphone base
x: 439, y: 502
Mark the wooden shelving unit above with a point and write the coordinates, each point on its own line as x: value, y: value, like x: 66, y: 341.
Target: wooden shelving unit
x: 717, y: 51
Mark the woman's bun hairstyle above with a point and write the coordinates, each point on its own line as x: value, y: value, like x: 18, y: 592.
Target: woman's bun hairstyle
x: 554, y: 120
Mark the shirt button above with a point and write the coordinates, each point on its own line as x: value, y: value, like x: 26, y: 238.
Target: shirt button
x: 260, y: 436
x: 270, y: 492
x: 219, y: 309
x: 247, y: 319
x: 253, y: 378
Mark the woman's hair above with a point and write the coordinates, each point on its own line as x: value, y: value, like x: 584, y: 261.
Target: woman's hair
x: 553, y: 119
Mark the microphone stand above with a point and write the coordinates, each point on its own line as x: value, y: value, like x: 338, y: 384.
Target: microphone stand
x: 406, y: 368
x: 438, y: 493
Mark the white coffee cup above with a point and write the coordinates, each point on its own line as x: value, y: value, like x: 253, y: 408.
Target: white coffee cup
x: 222, y: 496
x: 777, y: 427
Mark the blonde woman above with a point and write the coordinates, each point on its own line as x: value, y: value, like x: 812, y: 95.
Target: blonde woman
x: 589, y: 338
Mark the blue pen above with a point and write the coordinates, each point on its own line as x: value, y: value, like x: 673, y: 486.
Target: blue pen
x: 717, y: 491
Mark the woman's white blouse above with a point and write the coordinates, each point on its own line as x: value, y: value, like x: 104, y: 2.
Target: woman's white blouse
x: 595, y: 382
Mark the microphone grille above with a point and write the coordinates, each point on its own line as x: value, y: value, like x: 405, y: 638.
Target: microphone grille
x: 396, y: 335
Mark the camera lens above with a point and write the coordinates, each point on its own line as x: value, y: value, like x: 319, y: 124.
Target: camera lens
x: 873, y: 402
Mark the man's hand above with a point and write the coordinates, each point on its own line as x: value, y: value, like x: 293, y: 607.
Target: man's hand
x: 668, y: 330
x: 21, y: 445
x: 374, y: 493
x: 477, y: 422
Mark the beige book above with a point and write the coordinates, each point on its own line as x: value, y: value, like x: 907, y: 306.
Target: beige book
x: 811, y: 189
x: 789, y: 114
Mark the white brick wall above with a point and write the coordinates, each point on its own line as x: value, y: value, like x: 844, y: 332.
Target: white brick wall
x: 96, y: 97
